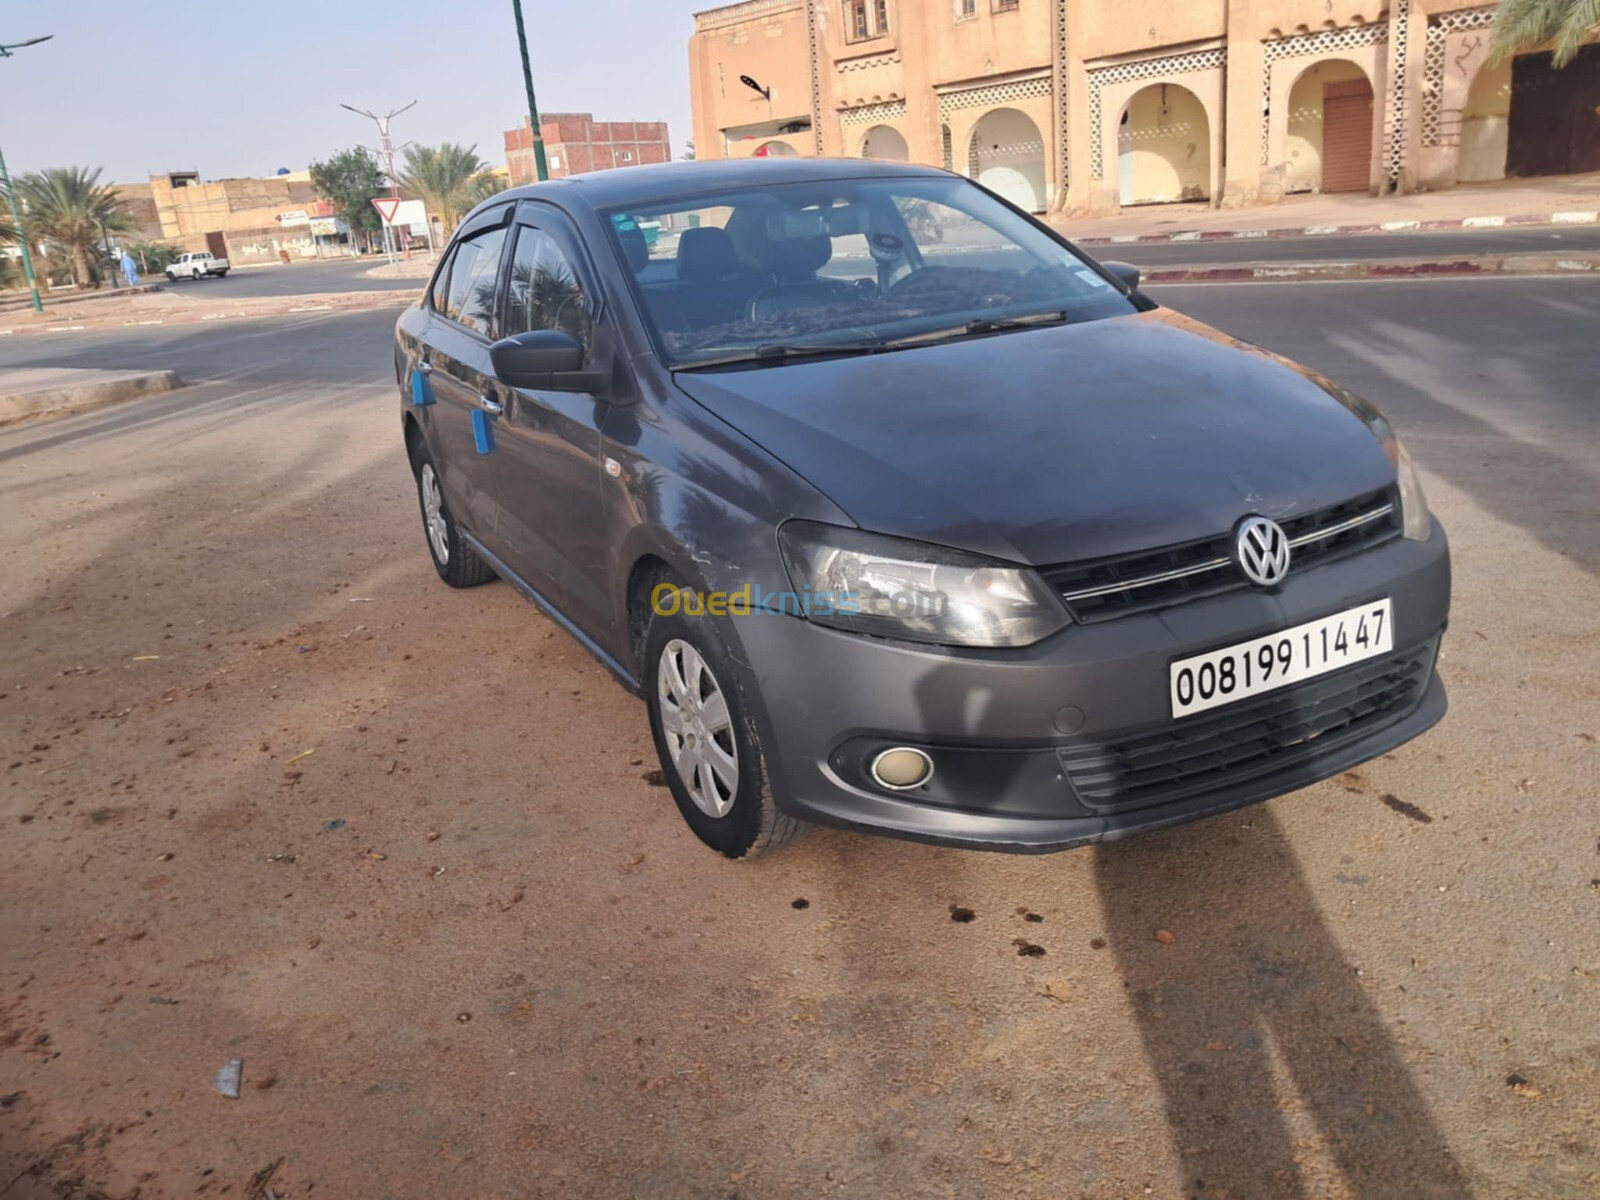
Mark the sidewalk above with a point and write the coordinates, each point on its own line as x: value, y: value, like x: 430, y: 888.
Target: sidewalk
x: 174, y: 308
x: 1559, y: 199
x: 27, y: 394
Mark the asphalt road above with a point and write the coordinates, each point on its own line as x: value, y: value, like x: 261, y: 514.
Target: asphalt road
x: 1332, y: 248
x: 271, y: 792
x: 296, y: 279
x: 348, y: 275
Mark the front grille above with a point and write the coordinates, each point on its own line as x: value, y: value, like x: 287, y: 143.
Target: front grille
x: 1274, y: 733
x: 1130, y: 583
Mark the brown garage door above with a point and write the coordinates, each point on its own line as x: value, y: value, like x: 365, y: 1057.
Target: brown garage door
x: 1554, y: 128
x: 1347, y: 136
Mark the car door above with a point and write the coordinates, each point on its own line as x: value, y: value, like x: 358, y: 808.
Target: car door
x: 547, y: 464
x: 455, y: 361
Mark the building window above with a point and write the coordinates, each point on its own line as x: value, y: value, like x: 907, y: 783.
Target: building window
x: 555, y: 162
x: 1005, y: 5
x: 627, y: 156
x: 966, y: 9
x: 865, y: 19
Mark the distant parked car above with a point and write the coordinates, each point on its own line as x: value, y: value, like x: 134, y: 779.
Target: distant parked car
x: 196, y: 265
x: 954, y: 535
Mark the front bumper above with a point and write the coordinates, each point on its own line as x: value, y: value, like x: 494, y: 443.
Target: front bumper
x: 1010, y: 731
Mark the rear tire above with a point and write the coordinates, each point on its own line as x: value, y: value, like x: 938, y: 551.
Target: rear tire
x: 458, y: 565
x: 707, y: 741
x: 197, y: 274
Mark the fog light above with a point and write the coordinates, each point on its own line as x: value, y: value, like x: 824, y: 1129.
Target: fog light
x: 902, y: 768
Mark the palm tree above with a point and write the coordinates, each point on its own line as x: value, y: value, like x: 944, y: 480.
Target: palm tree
x: 1524, y: 24
x: 443, y: 178
x: 71, y: 209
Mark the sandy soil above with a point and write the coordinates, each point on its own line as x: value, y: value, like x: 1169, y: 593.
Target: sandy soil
x: 270, y: 792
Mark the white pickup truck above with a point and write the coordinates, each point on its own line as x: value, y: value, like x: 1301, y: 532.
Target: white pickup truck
x: 196, y: 264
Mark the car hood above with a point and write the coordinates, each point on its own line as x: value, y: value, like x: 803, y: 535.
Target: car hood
x: 1058, y: 444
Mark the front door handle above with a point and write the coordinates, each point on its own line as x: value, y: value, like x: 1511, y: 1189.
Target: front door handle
x: 490, y: 405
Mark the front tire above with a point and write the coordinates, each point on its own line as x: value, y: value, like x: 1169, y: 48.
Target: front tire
x: 706, y: 740
x: 458, y: 565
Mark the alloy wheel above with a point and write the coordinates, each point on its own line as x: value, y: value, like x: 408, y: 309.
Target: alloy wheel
x: 433, y: 514
x: 698, y: 728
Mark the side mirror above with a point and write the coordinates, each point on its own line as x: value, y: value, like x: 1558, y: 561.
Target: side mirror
x: 1127, y: 272
x: 551, y: 359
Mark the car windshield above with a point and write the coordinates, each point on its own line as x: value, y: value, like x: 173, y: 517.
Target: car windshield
x: 847, y: 266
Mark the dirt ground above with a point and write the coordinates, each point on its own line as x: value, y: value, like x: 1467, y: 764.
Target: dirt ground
x: 270, y: 792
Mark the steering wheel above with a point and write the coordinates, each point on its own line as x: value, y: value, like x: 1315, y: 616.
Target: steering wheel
x: 921, y: 280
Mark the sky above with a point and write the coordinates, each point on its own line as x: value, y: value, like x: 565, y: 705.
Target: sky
x: 234, y: 89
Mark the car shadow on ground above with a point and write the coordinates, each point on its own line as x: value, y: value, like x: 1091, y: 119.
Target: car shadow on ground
x: 1278, y: 1075
x: 1268, y: 1051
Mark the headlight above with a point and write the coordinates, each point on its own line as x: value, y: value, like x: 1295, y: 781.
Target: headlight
x: 1416, y: 520
x: 867, y: 583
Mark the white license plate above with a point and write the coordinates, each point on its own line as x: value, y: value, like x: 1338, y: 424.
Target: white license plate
x: 1280, y: 659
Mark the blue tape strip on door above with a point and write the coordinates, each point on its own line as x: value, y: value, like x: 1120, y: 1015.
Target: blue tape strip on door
x: 421, y: 392
x: 482, y: 433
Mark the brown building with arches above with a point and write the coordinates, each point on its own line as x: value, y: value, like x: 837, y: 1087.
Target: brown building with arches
x: 1096, y: 106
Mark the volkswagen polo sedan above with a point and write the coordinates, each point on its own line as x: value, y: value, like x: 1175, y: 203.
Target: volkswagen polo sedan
x: 905, y: 515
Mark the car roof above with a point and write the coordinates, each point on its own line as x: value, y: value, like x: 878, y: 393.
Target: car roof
x: 658, y: 182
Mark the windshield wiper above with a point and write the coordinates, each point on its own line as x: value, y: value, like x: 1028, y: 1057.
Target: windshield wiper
x: 777, y: 352
x: 981, y: 325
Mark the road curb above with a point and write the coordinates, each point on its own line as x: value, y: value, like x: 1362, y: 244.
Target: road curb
x: 312, y: 303
x: 1504, y: 264
x: 34, y: 403
x: 1222, y: 235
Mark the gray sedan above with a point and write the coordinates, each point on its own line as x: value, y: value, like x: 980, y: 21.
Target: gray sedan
x: 903, y: 514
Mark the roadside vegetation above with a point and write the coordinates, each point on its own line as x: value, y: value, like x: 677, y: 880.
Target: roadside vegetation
x: 350, y: 181
x: 1528, y: 24
x: 449, y: 180
x: 72, y: 214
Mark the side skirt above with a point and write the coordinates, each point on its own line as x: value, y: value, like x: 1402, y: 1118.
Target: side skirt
x: 621, y: 673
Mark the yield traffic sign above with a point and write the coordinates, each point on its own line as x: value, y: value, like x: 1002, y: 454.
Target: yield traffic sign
x: 387, y: 206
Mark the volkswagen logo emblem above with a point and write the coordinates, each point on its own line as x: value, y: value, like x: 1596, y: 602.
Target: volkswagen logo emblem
x: 1261, y: 549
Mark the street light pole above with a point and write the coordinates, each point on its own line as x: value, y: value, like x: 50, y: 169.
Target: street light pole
x: 541, y: 172
x: 11, y: 195
x: 22, y: 237
x: 105, y: 242
x: 388, y: 159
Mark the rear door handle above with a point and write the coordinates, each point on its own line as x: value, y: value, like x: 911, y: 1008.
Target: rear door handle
x: 490, y: 405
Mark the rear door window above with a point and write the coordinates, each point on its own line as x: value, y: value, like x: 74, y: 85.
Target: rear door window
x: 439, y: 296
x: 470, y: 296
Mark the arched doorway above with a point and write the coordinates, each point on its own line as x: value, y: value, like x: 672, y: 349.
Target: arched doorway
x: 1007, y: 157
x: 775, y: 150
x: 1164, y: 147
x: 1329, y: 145
x: 886, y: 142
x: 1553, y: 126
x: 1485, y: 122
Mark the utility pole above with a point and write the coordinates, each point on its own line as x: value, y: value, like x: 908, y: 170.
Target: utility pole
x: 11, y: 195
x: 388, y: 159
x: 541, y: 172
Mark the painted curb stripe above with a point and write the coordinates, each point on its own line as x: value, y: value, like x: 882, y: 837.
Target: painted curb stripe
x: 1576, y: 217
